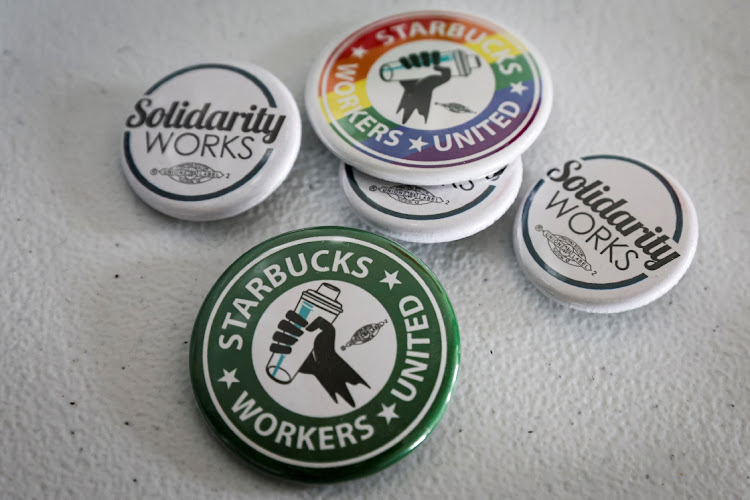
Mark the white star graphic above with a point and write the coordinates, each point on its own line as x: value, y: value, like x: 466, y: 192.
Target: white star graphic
x: 417, y: 144
x: 229, y: 377
x: 388, y: 413
x: 518, y: 88
x: 391, y: 279
x: 359, y: 52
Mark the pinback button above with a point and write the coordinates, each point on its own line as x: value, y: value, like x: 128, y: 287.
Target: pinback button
x: 324, y: 354
x: 430, y: 214
x: 429, y: 98
x: 210, y: 141
x: 605, y: 233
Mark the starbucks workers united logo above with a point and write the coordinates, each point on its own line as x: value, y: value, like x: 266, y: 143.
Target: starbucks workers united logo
x: 321, y: 352
x: 430, y: 89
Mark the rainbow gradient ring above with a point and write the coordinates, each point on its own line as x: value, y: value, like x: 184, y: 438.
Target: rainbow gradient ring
x: 429, y: 97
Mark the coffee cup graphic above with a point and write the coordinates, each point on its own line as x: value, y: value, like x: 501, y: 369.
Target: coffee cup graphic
x: 312, y: 304
x: 459, y: 62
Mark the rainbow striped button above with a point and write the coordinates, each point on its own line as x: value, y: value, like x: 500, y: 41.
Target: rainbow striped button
x: 428, y: 98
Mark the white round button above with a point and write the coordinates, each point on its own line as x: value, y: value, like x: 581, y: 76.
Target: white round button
x: 429, y: 98
x: 605, y: 233
x: 431, y: 214
x: 211, y: 140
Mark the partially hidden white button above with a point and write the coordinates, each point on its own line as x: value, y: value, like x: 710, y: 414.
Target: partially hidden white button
x: 430, y: 214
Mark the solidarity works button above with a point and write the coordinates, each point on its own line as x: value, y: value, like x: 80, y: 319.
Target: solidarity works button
x: 211, y: 140
x: 605, y: 233
x: 429, y: 98
x: 324, y: 354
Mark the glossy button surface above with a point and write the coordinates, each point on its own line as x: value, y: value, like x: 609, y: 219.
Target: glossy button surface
x: 605, y: 233
x: 324, y: 354
x: 210, y: 141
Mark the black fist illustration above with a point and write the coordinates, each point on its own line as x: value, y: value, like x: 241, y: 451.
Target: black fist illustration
x: 289, y: 332
x: 322, y: 361
x: 418, y: 92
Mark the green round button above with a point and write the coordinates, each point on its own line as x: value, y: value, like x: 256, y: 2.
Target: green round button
x: 324, y: 354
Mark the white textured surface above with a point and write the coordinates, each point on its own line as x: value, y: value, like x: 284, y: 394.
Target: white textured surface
x: 98, y: 292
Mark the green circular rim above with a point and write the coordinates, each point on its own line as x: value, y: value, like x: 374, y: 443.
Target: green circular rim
x: 333, y: 474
